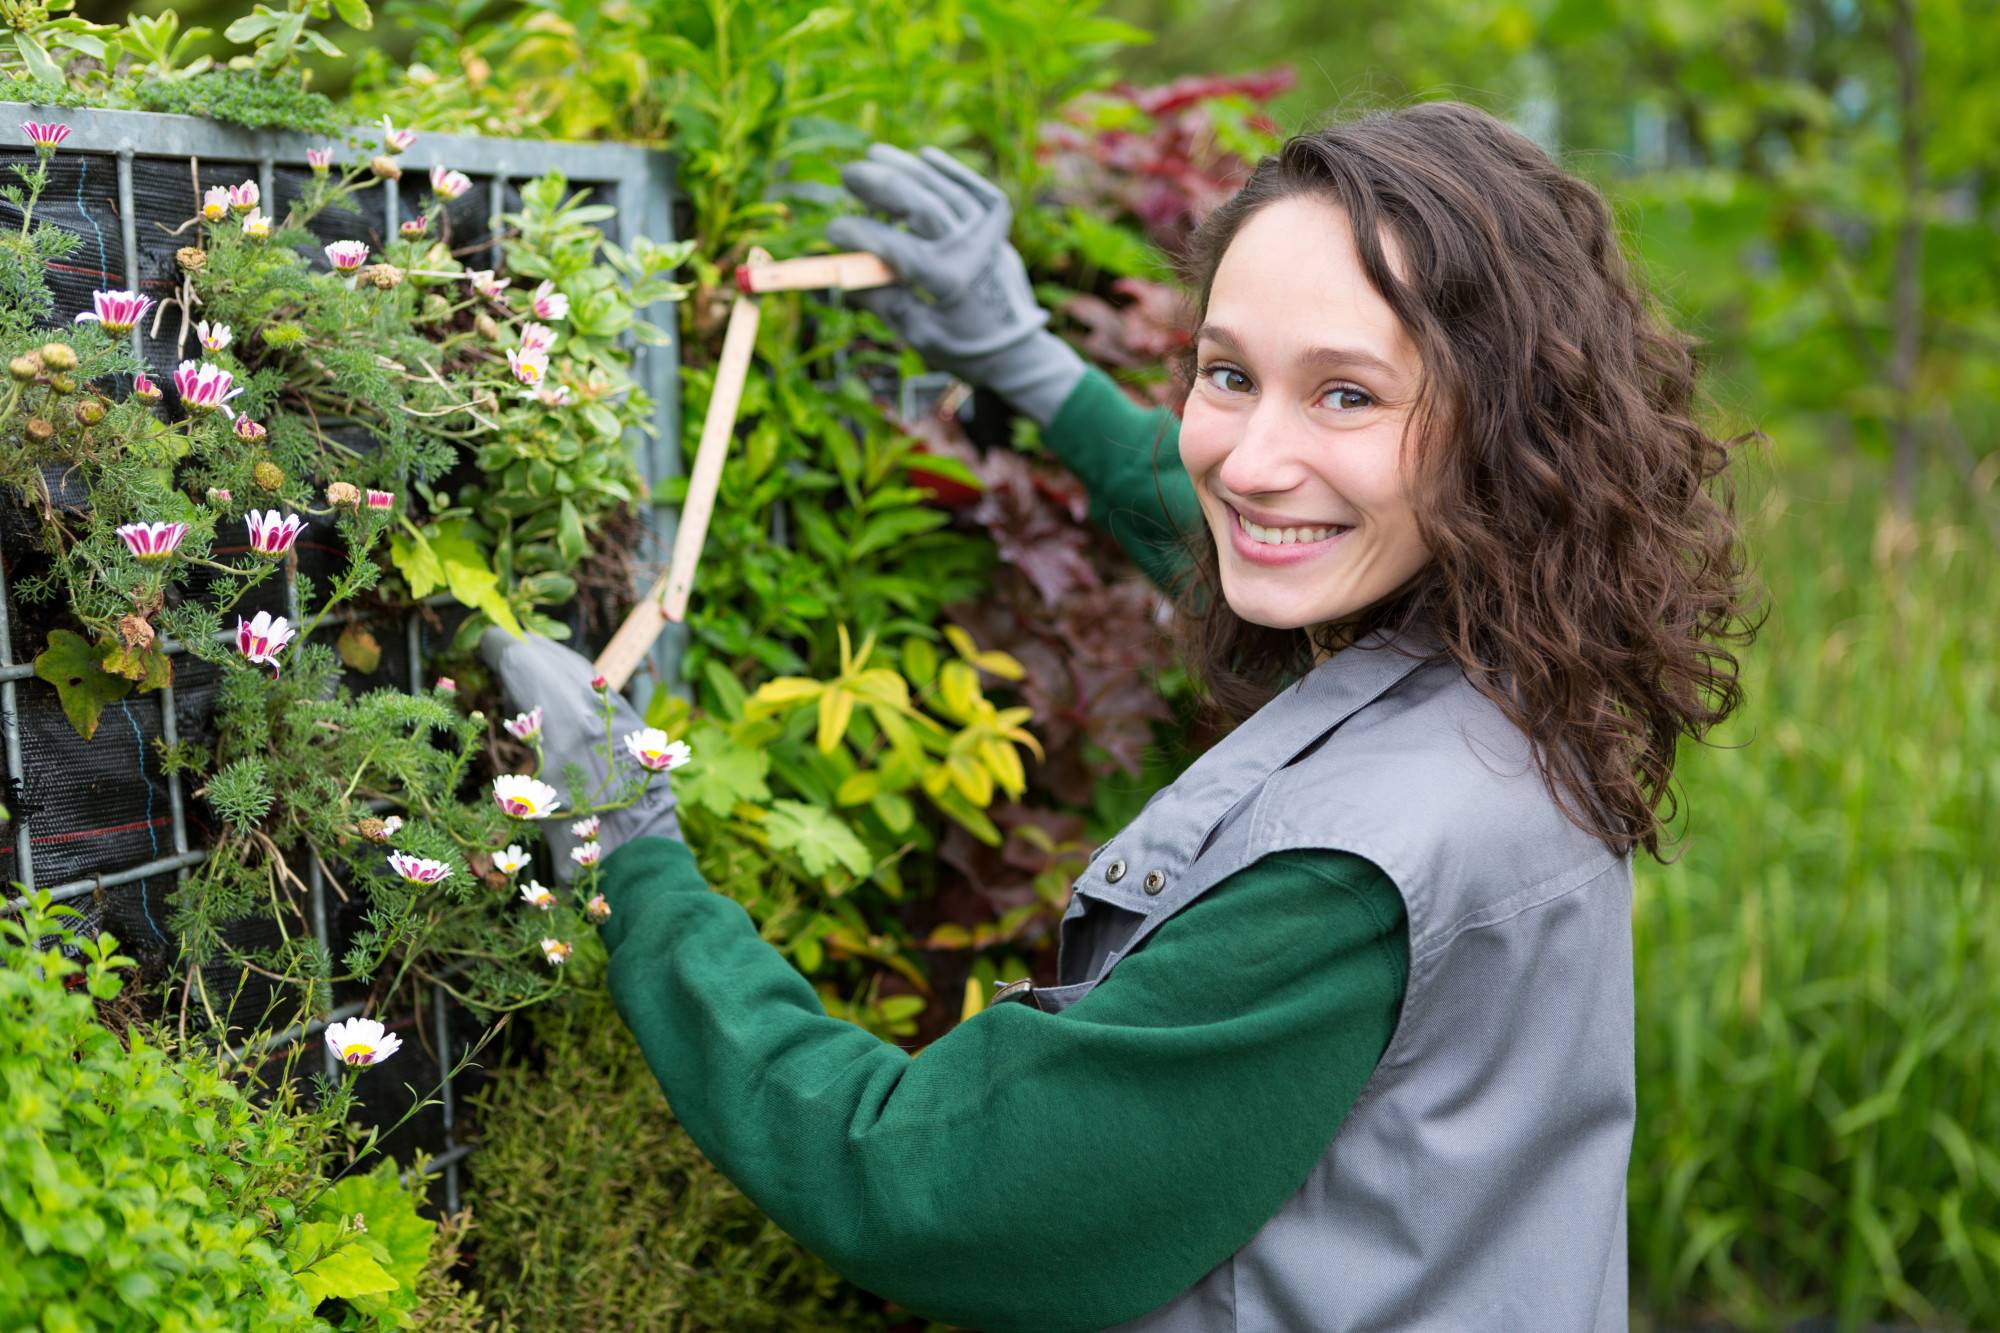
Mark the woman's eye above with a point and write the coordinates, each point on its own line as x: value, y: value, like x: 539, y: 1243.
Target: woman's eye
x: 1347, y: 398
x: 1228, y: 379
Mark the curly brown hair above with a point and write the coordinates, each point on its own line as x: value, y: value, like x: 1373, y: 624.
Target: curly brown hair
x: 1587, y: 572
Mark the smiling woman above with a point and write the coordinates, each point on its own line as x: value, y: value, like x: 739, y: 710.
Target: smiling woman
x: 1341, y: 1031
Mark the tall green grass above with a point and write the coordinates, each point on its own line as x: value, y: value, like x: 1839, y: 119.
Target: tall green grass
x: 1819, y: 974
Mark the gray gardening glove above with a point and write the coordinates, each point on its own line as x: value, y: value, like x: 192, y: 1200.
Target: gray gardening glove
x: 539, y: 672
x: 980, y: 321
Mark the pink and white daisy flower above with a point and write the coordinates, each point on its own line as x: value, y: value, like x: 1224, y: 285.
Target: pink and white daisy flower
x: 587, y: 853
x: 116, y: 312
x: 151, y: 543
x: 510, y: 862
x: 381, y: 499
x: 44, y: 135
x: 528, y: 367
x: 417, y: 869
x: 361, y: 1042
x: 257, y: 226
x: 655, y: 752
x: 214, y: 336
x: 523, y: 797
x: 272, y: 533
x: 550, y: 303
x: 320, y: 160
x: 537, y: 337
x: 263, y: 637
x: 597, y: 909
x: 537, y: 897
x: 205, y: 387
x: 487, y: 285
x: 244, y: 198
x: 347, y: 257
x: 396, y: 140
x: 556, y: 952
x: 585, y: 828
x: 525, y: 727
x: 450, y: 184
x: 246, y: 429
x: 215, y: 203
x: 144, y: 389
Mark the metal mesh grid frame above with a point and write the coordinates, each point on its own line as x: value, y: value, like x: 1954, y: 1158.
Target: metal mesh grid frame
x: 640, y: 182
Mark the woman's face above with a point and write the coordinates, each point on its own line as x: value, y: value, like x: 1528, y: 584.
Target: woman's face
x: 1294, y: 431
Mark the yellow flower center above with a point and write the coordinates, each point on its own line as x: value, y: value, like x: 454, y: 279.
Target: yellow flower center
x: 358, y: 1053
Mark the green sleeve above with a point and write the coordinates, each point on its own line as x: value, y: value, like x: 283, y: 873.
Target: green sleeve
x: 1129, y: 459
x: 1028, y: 1171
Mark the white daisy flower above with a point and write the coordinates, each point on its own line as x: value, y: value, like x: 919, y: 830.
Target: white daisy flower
x: 524, y: 797
x: 361, y: 1042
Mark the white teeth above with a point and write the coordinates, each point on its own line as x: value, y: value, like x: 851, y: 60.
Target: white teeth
x: 1283, y: 536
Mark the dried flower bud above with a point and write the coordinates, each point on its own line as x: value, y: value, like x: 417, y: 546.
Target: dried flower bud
x: 373, y: 829
x: 486, y: 327
x: 41, y: 430
x: 25, y: 368
x: 137, y: 631
x: 268, y: 475
x: 385, y: 276
x: 191, y: 258
x: 62, y: 383
x: 59, y: 356
x: 385, y: 168
x: 344, y: 495
x: 90, y: 411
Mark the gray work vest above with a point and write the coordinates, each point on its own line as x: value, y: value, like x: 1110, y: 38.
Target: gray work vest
x: 1478, y: 1182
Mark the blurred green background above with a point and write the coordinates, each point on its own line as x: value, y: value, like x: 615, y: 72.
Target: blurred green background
x: 1812, y: 188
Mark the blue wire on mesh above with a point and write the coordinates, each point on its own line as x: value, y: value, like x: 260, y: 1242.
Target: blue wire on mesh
x: 151, y: 831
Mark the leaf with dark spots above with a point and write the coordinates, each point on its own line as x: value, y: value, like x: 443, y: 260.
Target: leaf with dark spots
x: 75, y: 666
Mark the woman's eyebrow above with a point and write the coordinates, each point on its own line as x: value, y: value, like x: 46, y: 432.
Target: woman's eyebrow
x: 1348, y: 358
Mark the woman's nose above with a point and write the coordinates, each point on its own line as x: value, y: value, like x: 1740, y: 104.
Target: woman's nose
x: 1266, y: 458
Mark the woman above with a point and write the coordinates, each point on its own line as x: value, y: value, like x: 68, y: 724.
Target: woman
x: 1343, y: 1038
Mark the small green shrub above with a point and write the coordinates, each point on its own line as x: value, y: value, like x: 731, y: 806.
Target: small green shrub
x: 596, y: 1211
x: 137, y: 1191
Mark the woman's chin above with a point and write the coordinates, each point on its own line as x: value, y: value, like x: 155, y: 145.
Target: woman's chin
x: 1258, y: 602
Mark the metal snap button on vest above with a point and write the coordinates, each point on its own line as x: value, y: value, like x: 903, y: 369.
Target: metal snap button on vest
x: 1114, y: 872
x: 1155, y: 881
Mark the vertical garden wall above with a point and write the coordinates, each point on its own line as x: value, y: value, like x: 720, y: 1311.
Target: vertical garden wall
x: 109, y: 820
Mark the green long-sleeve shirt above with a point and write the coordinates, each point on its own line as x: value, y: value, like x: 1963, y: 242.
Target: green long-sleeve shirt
x: 1031, y: 1171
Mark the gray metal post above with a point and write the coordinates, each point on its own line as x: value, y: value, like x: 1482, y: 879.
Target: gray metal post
x: 10, y: 720
x: 450, y: 1156
x: 128, y: 234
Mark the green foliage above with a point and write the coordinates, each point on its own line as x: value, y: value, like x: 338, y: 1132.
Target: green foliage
x: 366, y: 1244
x: 1817, y: 975
x: 597, y: 1211
x: 57, y: 58
x: 137, y: 1190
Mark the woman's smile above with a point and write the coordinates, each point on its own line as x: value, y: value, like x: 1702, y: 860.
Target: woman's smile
x: 1277, y: 541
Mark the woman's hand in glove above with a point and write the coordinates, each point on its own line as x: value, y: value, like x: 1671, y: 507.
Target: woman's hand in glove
x: 537, y: 672
x: 967, y: 305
